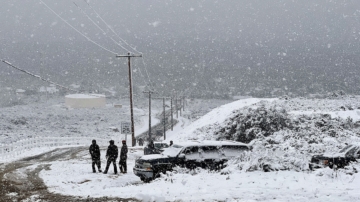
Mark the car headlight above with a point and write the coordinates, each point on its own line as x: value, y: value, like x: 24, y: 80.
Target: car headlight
x: 147, y: 166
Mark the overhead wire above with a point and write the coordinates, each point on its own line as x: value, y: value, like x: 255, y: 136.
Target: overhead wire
x: 37, y: 76
x: 147, y: 73
x: 77, y: 30
x: 100, y: 28
x: 109, y: 27
x: 106, y: 34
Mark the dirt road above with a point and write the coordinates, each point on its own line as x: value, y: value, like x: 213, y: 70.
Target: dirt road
x: 20, y: 181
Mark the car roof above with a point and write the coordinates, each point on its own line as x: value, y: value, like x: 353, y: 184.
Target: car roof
x: 209, y: 143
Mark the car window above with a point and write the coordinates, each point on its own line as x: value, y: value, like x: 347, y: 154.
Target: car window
x: 209, y: 152
x: 191, y: 153
x: 345, y: 149
x: 233, y: 150
x: 172, y: 151
x: 161, y: 145
x: 351, y: 152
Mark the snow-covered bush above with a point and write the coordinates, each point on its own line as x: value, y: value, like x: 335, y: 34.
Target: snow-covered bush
x: 284, y: 141
x: 248, y: 124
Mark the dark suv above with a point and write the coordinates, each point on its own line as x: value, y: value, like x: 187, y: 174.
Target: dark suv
x: 336, y: 160
x: 208, y: 154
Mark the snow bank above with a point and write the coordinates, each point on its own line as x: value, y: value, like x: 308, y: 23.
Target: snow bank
x: 199, y: 129
x: 75, y: 177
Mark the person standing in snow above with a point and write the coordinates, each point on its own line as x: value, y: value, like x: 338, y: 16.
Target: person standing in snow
x: 111, y: 156
x: 123, y: 157
x: 150, y: 148
x: 171, y: 143
x: 95, y: 156
x: 141, y: 142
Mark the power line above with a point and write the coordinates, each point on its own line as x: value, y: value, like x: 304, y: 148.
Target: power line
x: 37, y: 76
x: 77, y: 30
x: 147, y: 73
x: 109, y: 27
x: 100, y: 28
x: 106, y: 34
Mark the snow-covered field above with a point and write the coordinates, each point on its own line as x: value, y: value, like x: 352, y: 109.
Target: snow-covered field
x: 234, y: 183
x: 75, y: 177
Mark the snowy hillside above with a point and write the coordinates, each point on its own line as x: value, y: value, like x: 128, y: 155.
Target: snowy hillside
x: 284, y: 133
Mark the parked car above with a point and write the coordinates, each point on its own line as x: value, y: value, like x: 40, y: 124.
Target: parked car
x: 336, y: 160
x: 207, y: 154
x: 157, y: 149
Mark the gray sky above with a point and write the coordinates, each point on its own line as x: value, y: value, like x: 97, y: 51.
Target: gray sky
x: 219, y: 36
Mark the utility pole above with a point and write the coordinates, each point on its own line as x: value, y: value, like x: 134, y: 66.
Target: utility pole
x: 131, y: 96
x: 164, y: 114
x: 149, y: 92
x: 183, y: 103
x: 176, y: 106
x: 180, y: 104
x: 171, y: 110
x: 164, y: 118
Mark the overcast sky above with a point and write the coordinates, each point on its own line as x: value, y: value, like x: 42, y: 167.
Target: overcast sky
x: 195, y: 30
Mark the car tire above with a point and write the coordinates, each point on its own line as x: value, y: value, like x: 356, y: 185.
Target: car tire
x: 156, y: 174
x: 146, y: 180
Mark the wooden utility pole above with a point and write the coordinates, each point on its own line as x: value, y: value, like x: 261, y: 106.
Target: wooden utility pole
x: 180, y: 104
x: 149, y: 92
x: 131, y: 97
x: 164, y: 118
x: 164, y: 114
x: 176, y: 106
x: 171, y: 110
x: 183, y: 103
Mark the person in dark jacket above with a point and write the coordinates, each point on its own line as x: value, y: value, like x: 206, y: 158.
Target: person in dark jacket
x: 111, y: 156
x: 123, y: 157
x: 149, y: 149
x: 141, y: 141
x: 171, y: 143
x: 95, y: 156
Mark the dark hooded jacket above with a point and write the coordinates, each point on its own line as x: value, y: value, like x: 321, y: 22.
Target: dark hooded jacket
x: 112, y: 151
x: 94, y: 151
x: 123, y: 152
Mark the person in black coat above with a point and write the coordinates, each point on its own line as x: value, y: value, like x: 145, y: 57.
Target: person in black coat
x: 95, y: 156
x: 123, y: 157
x: 141, y: 141
x: 111, y: 155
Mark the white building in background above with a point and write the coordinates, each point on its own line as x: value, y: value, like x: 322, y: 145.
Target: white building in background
x: 20, y: 91
x: 48, y: 89
x: 85, y: 101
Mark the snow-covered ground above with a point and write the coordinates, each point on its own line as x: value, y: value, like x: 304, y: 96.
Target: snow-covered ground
x: 75, y: 177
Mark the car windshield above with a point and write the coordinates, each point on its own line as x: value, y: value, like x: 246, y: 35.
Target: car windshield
x: 352, y: 151
x: 345, y: 149
x: 172, y: 151
x: 161, y: 145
